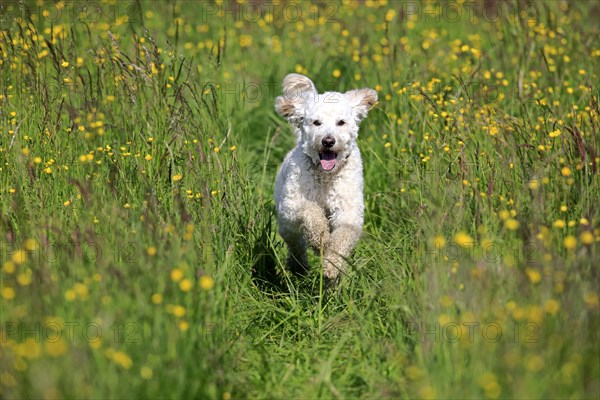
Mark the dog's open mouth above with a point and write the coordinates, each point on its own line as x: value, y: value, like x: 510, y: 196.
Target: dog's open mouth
x: 328, y: 159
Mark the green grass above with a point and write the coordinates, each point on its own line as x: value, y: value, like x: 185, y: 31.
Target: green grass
x: 140, y: 258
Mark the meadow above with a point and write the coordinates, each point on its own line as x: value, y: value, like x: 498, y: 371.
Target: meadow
x: 139, y: 250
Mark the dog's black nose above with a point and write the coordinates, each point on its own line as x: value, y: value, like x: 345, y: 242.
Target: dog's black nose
x: 328, y: 141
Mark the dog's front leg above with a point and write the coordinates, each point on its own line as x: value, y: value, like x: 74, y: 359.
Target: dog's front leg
x: 342, y: 241
x: 314, y: 225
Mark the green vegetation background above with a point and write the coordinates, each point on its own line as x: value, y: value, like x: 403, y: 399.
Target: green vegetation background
x: 139, y: 146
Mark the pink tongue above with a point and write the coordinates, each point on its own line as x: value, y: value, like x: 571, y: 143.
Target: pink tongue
x: 328, y: 161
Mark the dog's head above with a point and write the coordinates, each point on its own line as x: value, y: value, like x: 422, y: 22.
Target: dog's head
x: 326, y: 124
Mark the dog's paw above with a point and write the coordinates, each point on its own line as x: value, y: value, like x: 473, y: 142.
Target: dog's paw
x: 334, y: 266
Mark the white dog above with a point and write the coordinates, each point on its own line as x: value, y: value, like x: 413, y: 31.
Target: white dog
x: 319, y: 187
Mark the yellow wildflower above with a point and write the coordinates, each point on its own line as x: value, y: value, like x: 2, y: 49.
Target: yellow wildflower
x: 8, y: 293
x: 438, y: 242
x: 146, y: 372
x: 179, y: 311
x: 533, y: 275
x: 122, y: 359
x: 551, y: 306
x: 570, y: 242
x: 535, y: 363
x: 206, y: 282
x: 9, y: 267
x: 70, y: 295
x: 566, y: 171
x: 31, y: 245
x: 463, y: 239
x: 511, y: 224
x: 586, y: 238
x: 185, y: 285
x: 591, y: 299
x: 157, y: 298
x: 183, y: 326
x: 56, y: 349
x: 19, y: 257
x: 24, y: 279
x: 176, y: 274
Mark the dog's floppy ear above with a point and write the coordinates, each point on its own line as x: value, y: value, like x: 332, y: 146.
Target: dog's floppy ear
x: 289, y: 108
x: 361, y: 101
x: 297, y: 89
x: 296, y: 85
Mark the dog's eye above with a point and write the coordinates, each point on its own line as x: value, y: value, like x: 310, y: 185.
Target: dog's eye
x: 316, y: 122
x: 341, y: 122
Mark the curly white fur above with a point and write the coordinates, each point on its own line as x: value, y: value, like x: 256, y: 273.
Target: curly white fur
x: 319, y: 187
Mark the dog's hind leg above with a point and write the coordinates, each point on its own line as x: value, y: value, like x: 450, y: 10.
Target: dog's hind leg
x: 297, y: 260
